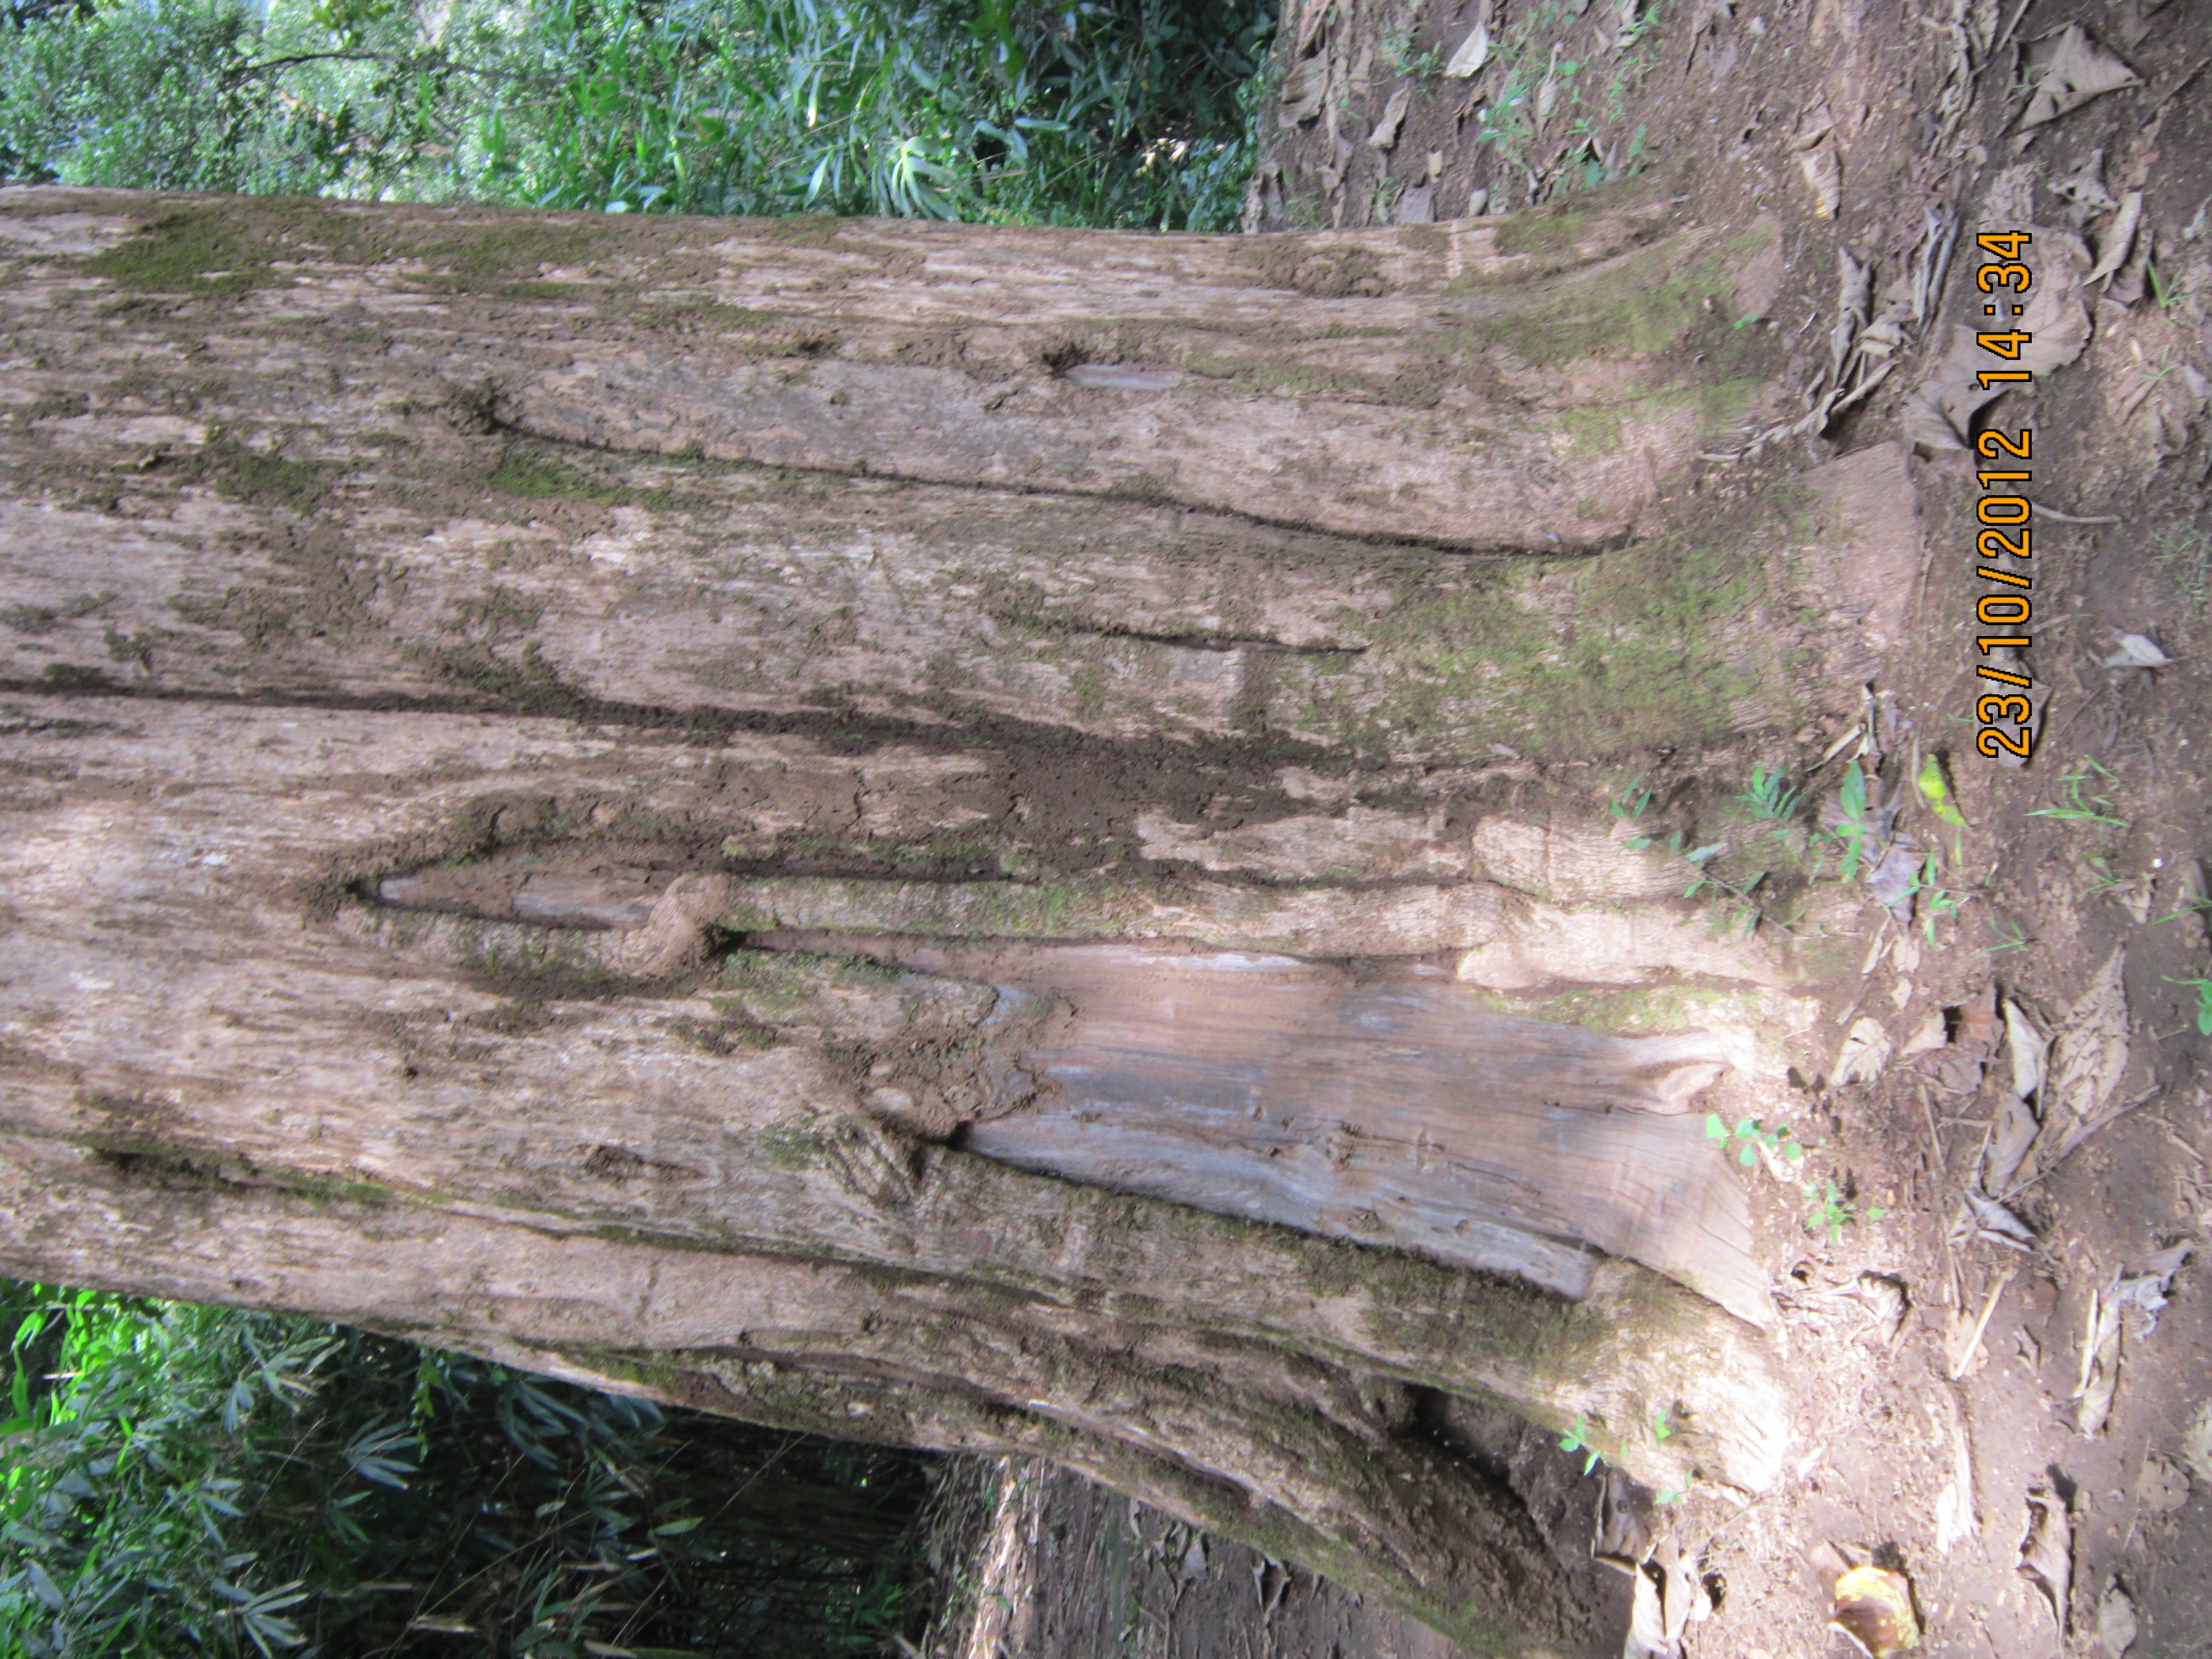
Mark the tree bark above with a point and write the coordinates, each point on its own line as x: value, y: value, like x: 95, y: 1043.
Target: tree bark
x: 884, y: 828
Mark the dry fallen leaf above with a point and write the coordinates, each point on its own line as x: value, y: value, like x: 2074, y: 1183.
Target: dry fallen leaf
x: 1874, y: 1607
x: 1680, y: 1596
x: 2070, y: 69
x: 2010, y: 1136
x: 2163, y: 1487
x: 2137, y: 651
x: 2145, y: 1292
x: 1304, y: 89
x: 1385, y: 135
x: 2089, y: 1055
x: 2046, y: 1555
x: 2055, y: 312
x: 2119, y: 238
x: 1955, y: 1520
x: 1418, y: 206
x: 1998, y: 1225
x: 2115, y: 1621
x: 2196, y: 1442
x: 1470, y: 54
x: 1864, y: 1052
x: 2028, y: 1046
x: 1646, y: 1621
x: 1547, y: 94
x: 1931, y: 1034
x: 1823, y: 174
x: 2101, y: 1365
x: 1957, y: 1066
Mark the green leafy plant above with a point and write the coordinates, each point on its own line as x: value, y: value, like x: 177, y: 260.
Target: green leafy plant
x: 1398, y: 52
x: 1629, y: 803
x: 1749, y: 1135
x: 1833, y: 1210
x: 1578, y: 1440
x: 2085, y: 797
x: 2185, y: 553
x: 2164, y: 297
x: 1856, y: 831
x: 2203, y: 989
x: 201, y: 1480
x: 1934, y: 899
x: 1769, y: 796
x: 1134, y: 115
x: 2011, y: 936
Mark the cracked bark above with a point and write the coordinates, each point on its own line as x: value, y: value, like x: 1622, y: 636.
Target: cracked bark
x: 532, y: 741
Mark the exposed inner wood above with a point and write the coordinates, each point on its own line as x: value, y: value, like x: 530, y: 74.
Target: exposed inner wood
x: 1374, y: 1101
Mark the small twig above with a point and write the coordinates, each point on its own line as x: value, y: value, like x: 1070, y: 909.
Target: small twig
x: 1963, y: 1355
x: 2069, y: 518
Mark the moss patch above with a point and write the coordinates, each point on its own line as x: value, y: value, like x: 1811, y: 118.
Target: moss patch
x: 232, y: 247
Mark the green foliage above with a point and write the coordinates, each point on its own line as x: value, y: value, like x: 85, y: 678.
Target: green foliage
x: 1857, y: 831
x: 1578, y: 1440
x: 2085, y: 797
x: 161, y: 99
x: 2203, y: 989
x: 1834, y: 1210
x: 185, y: 1480
x: 1629, y: 803
x: 1131, y: 115
x: 1936, y: 900
x: 1398, y: 52
x: 2185, y: 553
x: 1749, y: 1135
x: 1935, y: 789
x: 1769, y: 797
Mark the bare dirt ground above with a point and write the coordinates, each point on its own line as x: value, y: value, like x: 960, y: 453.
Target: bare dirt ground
x: 1990, y: 1260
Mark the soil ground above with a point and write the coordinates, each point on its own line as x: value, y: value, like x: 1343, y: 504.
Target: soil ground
x: 1938, y: 1365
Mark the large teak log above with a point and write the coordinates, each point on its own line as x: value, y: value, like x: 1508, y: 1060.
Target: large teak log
x: 883, y: 827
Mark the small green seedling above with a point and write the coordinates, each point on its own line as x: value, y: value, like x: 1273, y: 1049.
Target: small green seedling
x: 1854, y: 832
x: 1751, y: 1136
x: 1769, y: 797
x: 1578, y: 1440
x: 1936, y: 900
x: 1834, y: 1212
x: 1676, y: 1496
x: 1659, y: 1430
x: 2081, y: 801
x: 2204, y: 988
x: 1628, y: 805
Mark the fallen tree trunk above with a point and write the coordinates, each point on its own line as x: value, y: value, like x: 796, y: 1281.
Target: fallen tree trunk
x: 589, y: 793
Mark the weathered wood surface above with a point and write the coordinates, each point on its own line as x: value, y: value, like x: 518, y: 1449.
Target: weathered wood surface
x: 1425, y: 383
x: 1381, y: 1102
x: 188, y: 983
x: 397, y: 596
x: 369, y: 463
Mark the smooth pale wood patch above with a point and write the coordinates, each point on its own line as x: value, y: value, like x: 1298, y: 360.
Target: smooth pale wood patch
x: 1387, y: 1106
